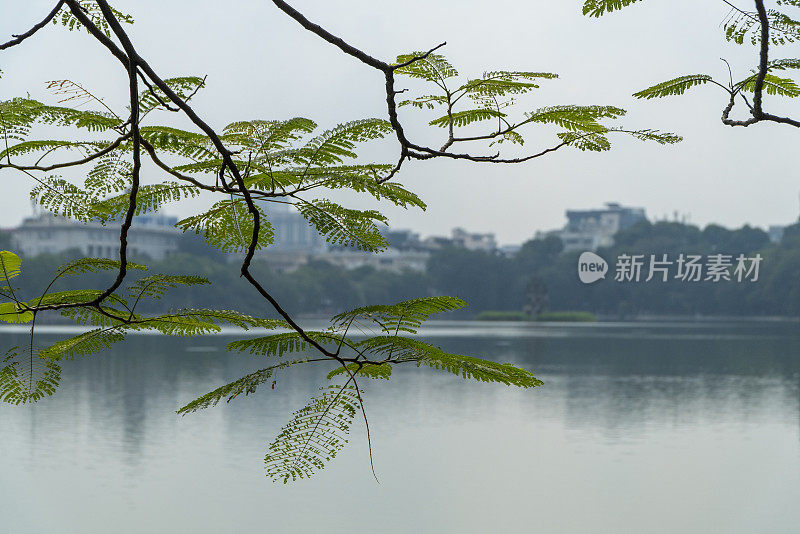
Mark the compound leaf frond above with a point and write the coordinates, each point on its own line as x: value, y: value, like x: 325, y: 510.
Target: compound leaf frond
x: 228, y: 226
x: 27, y: 377
x: 313, y: 436
x: 405, y: 316
x: 368, y: 370
x: 675, y: 86
x: 276, y: 345
x: 247, y: 385
x: 598, y: 8
x: 343, y: 226
x: 91, y: 342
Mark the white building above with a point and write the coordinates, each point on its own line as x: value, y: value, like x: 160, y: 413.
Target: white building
x: 464, y: 239
x: 297, y: 242
x: 460, y: 238
x: 390, y: 259
x: 152, y: 235
x: 592, y: 229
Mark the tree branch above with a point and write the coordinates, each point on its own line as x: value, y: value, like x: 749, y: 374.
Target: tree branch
x: 756, y: 110
x: 45, y: 168
x: 228, y: 162
x: 21, y: 37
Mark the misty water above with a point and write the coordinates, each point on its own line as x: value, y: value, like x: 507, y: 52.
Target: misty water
x: 641, y: 427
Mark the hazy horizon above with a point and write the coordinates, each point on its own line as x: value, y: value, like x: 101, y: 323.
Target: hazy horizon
x: 555, y: 226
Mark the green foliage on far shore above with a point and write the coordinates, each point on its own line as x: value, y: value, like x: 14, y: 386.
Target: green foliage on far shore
x: 567, y: 317
x: 492, y: 282
x: 502, y: 315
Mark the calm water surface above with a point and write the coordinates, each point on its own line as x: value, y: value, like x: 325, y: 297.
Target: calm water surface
x: 640, y: 428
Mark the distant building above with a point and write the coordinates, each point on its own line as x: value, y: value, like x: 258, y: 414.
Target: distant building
x: 591, y: 229
x: 152, y: 235
x: 293, y: 233
x: 460, y: 238
x: 775, y: 233
x: 402, y: 239
x: 464, y: 239
x: 390, y: 259
x: 296, y: 240
x: 436, y: 242
x: 406, y: 251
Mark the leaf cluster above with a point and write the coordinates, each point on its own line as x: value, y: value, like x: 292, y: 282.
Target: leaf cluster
x: 490, y: 102
x: 27, y: 377
x: 31, y: 373
x: 92, y: 10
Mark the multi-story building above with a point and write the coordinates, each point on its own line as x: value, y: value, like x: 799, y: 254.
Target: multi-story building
x: 152, y: 236
x: 592, y: 229
x: 296, y: 240
x: 464, y: 239
x: 297, y: 243
x: 390, y: 259
x: 293, y: 233
x: 460, y: 238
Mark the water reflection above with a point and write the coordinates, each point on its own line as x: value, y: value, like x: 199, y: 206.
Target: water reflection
x: 635, y: 427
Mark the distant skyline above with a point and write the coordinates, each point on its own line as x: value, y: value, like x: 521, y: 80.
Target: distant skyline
x: 671, y: 217
x: 261, y: 64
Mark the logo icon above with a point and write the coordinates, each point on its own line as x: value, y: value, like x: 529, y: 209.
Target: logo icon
x: 591, y: 267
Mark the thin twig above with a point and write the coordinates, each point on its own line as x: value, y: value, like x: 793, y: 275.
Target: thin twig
x: 21, y: 37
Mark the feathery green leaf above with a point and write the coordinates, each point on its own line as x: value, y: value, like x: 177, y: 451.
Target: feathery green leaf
x: 405, y: 316
x: 313, y: 436
x: 95, y: 265
x: 91, y: 342
x: 404, y: 349
x: 773, y: 85
x: 333, y: 146
x: 149, y: 198
x: 277, y: 345
x: 26, y: 376
x: 369, y: 370
x: 598, y: 8
x: 229, y: 226
x: 11, y: 313
x: 92, y: 10
x: 676, y: 86
x: 343, y: 226
x: 463, y: 118
x: 155, y: 286
x: 183, y: 86
x: 10, y: 265
x: 247, y: 385
x: 434, y: 68
x: 592, y: 141
x: 61, y: 197
x: 576, y: 118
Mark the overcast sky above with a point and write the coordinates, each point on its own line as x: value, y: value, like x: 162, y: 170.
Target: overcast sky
x: 263, y: 65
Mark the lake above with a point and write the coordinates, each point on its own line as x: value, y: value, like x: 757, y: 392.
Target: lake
x: 690, y: 427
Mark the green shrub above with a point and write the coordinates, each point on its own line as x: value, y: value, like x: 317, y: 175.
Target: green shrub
x: 567, y: 316
x: 494, y: 315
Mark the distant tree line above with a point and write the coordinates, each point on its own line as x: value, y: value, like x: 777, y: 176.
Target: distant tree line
x: 498, y: 283
x: 491, y: 281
